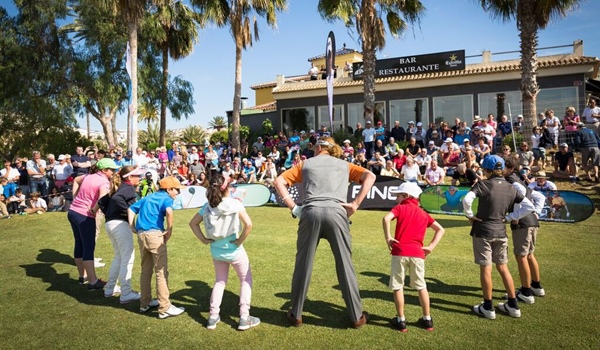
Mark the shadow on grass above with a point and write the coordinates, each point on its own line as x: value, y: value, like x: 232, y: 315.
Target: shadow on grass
x: 196, y: 299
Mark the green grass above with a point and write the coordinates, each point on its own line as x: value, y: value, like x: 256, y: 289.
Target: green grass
x: 44, y: 307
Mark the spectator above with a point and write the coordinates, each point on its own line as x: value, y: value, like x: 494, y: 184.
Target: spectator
x: 423, y: 160
x: 347, y: 151
x: 410, y: 171
x: 17, y: 202
x: 564, y: 164
x: 12, y: 177
x: 435, y: 174
x: 504, y: 125
x: 413, y: 148
x: 526, y: 157
x: 398, y: 132
x: 368, y: 137
x: 482, y: 149
x: 518, y: 126
x: 56, y: 201
x: 379, y: 147
x: 436, y: 138
x: 389, y: 170
x: 380, y: 132
x: 360, y: 160
x: 376, y: 163
x: 358, y: 131
x: 591, y: 115
x: 80, y: 162
x: 464, y: 176
x: 587, y: 141
x: 553, y: 124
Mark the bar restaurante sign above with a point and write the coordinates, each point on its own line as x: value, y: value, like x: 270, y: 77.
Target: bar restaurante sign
x: 430, y: 63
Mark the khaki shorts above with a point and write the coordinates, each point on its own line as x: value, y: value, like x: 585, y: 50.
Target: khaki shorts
x: 524, y: 240
x: 490, y: 250
x: 416, y: 268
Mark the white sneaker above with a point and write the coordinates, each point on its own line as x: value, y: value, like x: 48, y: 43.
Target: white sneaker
x: 98, y: 264
x: 504, y: 307
x: 153, y: 303
x: 524, y: 298
x: 112, y: 293
x: 129, y: 297
x: 480, y: 310
x: 212, y: 322
x: 538, y: 292
x: 97, y: 259
x: 248, y: 322
x: 171, y: 311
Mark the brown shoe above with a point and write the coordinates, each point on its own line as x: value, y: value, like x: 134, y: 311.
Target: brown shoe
x: 296, y: 322
x: 362, y: 321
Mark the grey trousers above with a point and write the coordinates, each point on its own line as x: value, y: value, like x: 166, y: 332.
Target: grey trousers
x: 331, y: 224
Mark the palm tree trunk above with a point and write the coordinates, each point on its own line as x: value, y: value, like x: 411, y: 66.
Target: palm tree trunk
x: 528, y: 28
x: 164, y: 96
x: 133, y: 43
x: 237, y: 96
x: 367, y: 24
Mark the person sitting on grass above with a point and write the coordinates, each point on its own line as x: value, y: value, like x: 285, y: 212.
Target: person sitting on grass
x: 17, y: 202
x: 36, y: 204
x: 223, y: 217
x: 57, y: 200
x: 564, y: 164
x: 3, y: 207
x: 408, y: 252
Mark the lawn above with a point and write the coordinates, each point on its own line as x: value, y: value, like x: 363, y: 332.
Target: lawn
x: 44, y: 307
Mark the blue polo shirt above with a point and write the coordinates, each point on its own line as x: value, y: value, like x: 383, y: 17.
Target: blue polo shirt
x: 151, y: 211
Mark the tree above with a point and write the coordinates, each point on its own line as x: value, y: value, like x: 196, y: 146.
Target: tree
x: 148, y: 113
x: 366, y: 17
x: 531, y: 16
x: 173, y: 27
x: 218, y: 122
x: 193, y: 134
x: 237, y: 14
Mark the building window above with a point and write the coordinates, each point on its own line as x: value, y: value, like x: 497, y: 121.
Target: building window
x: 356, y: 113
x: 448, y: 108
x: 558, y: 99
x: 488, y: 103
x: 338, y: 117
x: 416, y: 110
x: 298, y: 119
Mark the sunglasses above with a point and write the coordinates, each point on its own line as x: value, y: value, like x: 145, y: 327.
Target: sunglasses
x: 507, y: 149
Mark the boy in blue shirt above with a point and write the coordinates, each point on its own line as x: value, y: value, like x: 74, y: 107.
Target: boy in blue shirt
x: 151, y: 212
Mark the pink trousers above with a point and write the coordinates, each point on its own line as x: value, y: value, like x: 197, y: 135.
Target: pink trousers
x: 241, y: 265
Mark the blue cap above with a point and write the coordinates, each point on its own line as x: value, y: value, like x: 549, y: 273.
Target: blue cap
x: 493, y: 162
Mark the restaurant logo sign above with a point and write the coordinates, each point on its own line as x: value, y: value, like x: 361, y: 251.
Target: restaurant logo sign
x: 419, y: 64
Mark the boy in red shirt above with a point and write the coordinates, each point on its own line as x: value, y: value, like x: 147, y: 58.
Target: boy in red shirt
x: 408, y: 252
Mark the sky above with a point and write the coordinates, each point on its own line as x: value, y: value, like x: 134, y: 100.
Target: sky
x: 301, y: 33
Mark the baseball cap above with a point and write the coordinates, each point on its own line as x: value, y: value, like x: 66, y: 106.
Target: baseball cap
x: 169, y: 182
x: 410, y: 188
x: 411, y: 122
x: 379, y: 122
x: 368, y: 122
x: 431, y: 143
x: 323, y: 125
x: 70, y: 179
x: 449, y: 139
x: 312, y: 131
x: 476, y: 128
x: 106, y: 163
x: 520, y: 116
x: 62, y: 157
x: 419, y: 124
x: 493, y: 162
x: 434, y: 132
x: 466, y: 140
x: 564, y: 145
x: 346, y: 141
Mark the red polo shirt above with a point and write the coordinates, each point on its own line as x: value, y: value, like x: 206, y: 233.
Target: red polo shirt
x: 411, y: 224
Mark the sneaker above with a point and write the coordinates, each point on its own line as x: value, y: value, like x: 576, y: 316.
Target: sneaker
x: 362, y: 320
x: 399, y: 325
x: 481, y: 311
x: 171, y: 311
x: 248, y: 322
x: 112, y: 293
x: 427, y: 324
x: 504, y: 307
x: 22, y: 213
x: 82, y: 280
x: 538, y: 292
x: 212, y: 322
x: 7, y: 217
x: 98, y: 285
x: 129, y: 297
x: 153, y: 303
x: 524, y: 298
x: 97, y: 259
x: 98, y: 264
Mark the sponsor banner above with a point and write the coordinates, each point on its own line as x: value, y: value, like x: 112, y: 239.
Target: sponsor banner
x: 419, y: 64
x: 379, y: 197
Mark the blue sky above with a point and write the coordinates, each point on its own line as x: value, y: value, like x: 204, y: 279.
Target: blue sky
x: 301, y: 33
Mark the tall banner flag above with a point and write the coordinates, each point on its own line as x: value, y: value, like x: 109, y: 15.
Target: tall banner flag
x: 330, y: 69
x: 130, y: 115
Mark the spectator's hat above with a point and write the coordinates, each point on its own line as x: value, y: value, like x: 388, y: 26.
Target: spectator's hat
x: 312, y: 131
x: 106, y: 163
x: 449, y: 139
x: 411, y: 122
x: 580, y: 124
x: 70, y: 179
x: 379, y: 122
x: 135, y: 172
x: 476, y: 118
x: 434, y: 132
x: 129, y: 153
x: 419, y: 124
x: 520, y: 116
x: 431, y: 143
x: 564, y: 145
x: 476, y: 128
x: 302, y: 132
x: 323, y: 126
x: 62, y: 157
x: 169, y: 182
x: 493, y: 162
x: 118, y: 154
x: 410, y: 188
x: 368, y: 122
x: 346, y: 141
x: 466, y: 140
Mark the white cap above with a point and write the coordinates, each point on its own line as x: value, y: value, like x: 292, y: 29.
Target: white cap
x: 419, y: 124
x: 62, y: 157
x: 411, y: 122
x: 520, y: 116
x: 431, y: 143
x: 410, y: 188
x: 449, y: 139
x: 346, y: 141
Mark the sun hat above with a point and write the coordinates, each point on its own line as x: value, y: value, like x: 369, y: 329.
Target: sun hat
x: 135, y: 172
x: 493, y: 162
x: 106, y: 163
x: 410, y: 188
x: 476, y: 118
x: 346, y: 141
x: 169, y: 182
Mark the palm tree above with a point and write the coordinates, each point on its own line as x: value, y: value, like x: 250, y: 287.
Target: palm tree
x: 148, y: 113
x: 193, y: 134
x: 531, y: 16
x: 174, y: 29
x: 366, y: 17
x: 218, y: 123
x: 239, y: 14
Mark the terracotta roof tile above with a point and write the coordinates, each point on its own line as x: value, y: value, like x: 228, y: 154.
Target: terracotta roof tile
x: 270, y: 106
